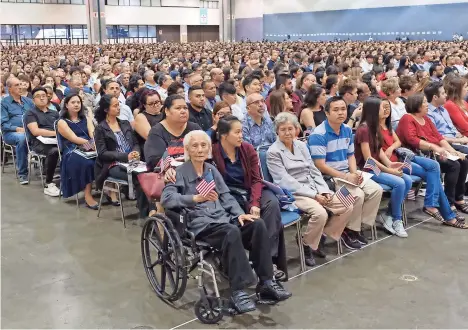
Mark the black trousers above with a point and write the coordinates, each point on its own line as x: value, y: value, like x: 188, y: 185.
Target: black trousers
x: 455, y: 177
x: 231, y: 240
x: 52, y: 156
x: 142, y: 201
x: 271, y: 213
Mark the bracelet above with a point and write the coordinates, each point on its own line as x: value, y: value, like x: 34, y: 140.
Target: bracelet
x: 351, y: 118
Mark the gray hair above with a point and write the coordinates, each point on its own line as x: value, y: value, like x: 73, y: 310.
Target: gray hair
x: 285, y: 118
x: 189, y: 137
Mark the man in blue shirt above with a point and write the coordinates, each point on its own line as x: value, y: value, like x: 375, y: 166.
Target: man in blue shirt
x: 436, y: 97
x: 332, y: 149
x: 14, y: 107
x: 257, y: 129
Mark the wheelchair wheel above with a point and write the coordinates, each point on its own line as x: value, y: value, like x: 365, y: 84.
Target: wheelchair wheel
x: 164, y: 258
x: 210, y: 312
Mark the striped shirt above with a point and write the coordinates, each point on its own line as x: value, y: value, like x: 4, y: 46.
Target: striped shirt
x: 324, y: 143
x: 123, y: 145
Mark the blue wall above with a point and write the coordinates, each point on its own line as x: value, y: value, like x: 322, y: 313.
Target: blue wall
x: 442, y: 19
x: 251, y: 28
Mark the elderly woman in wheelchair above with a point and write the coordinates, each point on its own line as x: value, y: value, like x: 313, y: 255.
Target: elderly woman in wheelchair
x: 216, y: 218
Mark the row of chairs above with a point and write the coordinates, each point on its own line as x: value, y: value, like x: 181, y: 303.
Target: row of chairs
x: 293, y: 218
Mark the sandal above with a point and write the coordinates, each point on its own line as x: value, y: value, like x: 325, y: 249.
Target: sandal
x: 458, y: 216
x: 462, y: 207
x: 436, y: 215
x: 457, y: 224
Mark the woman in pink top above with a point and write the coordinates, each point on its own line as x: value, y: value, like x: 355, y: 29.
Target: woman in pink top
x: 456, y: 106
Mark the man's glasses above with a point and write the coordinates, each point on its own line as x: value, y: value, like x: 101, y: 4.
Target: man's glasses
x: 40, y: 96
x: 258, y: 102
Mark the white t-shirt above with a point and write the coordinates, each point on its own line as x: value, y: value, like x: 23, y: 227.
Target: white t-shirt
x: 398, y: 110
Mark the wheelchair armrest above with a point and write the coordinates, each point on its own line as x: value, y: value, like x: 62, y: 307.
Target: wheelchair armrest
x: 243, y: 193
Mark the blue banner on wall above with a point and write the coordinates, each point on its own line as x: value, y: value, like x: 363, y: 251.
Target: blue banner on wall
x: 203, y: 16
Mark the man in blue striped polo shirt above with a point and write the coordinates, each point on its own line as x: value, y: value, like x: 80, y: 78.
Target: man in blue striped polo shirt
x: 332, y: 149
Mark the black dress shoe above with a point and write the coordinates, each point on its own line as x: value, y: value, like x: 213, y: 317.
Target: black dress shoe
x: 241, y: 302
x: 308, y: 256
x: 110, y: 201
x: 319, y: 253
x: 92, y: 207
x: 272, y: 290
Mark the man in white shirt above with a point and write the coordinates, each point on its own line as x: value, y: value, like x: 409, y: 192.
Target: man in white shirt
x: 164, y: 82
x: 368, y: 63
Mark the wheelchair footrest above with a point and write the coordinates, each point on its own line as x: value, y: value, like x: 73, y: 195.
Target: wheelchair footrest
x: 261, y: 301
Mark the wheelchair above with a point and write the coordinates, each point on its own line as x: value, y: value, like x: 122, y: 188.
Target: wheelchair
x: 178, y: 253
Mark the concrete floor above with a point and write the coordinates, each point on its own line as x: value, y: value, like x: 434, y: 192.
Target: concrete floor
x: 64, y: 268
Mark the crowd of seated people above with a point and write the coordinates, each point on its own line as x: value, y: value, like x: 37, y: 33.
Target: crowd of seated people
x: 323, y: 112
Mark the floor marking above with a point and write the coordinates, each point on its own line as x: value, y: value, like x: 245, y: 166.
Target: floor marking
x: 329, y: 262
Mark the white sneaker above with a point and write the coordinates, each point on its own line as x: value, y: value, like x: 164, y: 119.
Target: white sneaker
x: 399, y: 229
x: 388, y: 224
x: 52, y: 190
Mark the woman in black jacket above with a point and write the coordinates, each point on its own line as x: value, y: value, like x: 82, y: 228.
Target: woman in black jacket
x: 115, y: 143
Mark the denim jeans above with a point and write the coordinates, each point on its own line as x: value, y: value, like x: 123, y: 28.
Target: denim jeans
x: 400, y: 187
x: 429, y: 171
x: 19, y: 141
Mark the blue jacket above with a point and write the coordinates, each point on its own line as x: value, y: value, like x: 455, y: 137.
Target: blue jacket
x: 12, y: 112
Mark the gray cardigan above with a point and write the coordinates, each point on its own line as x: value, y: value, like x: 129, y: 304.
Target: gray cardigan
x: 180, y: 195
x: 295, y: 171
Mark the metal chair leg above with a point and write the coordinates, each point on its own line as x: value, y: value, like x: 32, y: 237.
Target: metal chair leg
x: 374, y: 232
x: 14, y: 162
x: 3, y: 159
x: 100, y: 199
x: 403, y: 212
x: 301, y: 246
x: 29, y: 169
x: 339, y: 247
x: 40, y: 169
x: 121, y: 206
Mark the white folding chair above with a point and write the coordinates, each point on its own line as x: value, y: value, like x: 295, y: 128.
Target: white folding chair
x: 109, y: 185
x: 8, y: 149
x: 33, y: 157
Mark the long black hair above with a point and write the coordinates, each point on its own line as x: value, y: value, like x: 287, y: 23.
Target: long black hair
x: 103, y: 108
x: 312, y: 96
x: 64, y: 112
x: 224, y: 127
x: 370, y: 116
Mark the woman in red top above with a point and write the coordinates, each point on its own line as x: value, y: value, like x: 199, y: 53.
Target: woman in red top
x: 369, y: 141
x: 417, y: 132
x: 456, y: 106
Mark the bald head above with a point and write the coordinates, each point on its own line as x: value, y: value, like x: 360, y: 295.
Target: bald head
x: 14, y: 85
x: 255, y: 105
x: 217, y: 75
x: 196, y: 80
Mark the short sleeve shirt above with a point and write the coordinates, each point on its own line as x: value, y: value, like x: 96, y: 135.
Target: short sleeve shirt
x: 363, y: 136
x: 324, y: 143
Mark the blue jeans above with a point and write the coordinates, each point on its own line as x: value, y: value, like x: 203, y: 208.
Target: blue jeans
x: 19, y: 141
x: 429, y: 171
x: 400, y: 187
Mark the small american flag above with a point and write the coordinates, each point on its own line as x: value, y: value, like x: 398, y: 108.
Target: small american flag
x: 372, y: 165
x: 345, y: 197
x: 206, y: 185
x: 166, y: 163
x: 407, y: 164
x: 411, y: 196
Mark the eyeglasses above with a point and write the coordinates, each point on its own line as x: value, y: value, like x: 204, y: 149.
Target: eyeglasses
x: 40, y: 96
x: 152, y: 104
x: 258, y: 102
